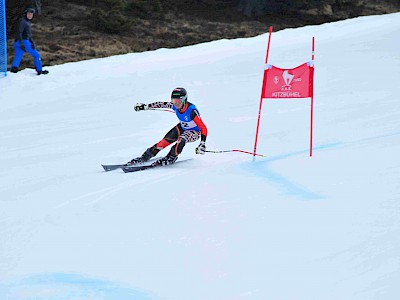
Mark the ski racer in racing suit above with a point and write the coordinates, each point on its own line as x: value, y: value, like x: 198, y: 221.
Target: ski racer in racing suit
x: 189, y: 129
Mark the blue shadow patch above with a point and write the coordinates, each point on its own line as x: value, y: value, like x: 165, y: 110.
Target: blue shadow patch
x: 260, y: 169
x: 287, y: 187
x: 59, y: 286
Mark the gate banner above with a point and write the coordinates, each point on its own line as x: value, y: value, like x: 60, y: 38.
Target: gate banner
x: 288, y: 83
x: 293, y: 83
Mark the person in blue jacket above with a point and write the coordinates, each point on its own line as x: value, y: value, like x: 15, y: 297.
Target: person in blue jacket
x: 189, y: 129
x: 24, y: 43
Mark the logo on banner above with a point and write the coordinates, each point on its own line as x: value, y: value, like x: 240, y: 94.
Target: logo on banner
x: 287, y: 78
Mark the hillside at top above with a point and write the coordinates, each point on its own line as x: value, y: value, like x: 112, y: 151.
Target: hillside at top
x: 67, y: 31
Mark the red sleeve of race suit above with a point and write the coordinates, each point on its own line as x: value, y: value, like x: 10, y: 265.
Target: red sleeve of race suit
x: 203, y: 128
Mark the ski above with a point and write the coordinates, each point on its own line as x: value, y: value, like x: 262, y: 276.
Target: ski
x: 112, y: 167
x: 115, y: 167
x: 130, y: 169
x: 136, y: 168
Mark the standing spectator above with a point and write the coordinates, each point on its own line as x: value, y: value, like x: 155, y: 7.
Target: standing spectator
x: 24, y: 43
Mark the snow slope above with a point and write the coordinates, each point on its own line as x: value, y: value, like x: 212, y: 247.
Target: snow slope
x: 219, y: 227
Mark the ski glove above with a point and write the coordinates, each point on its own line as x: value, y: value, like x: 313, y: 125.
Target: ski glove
x: 201, y: 149
x: 141, y: 106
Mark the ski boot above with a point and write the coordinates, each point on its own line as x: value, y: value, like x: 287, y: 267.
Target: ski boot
x: 44, y: 72
x: 149, y: 153
x: 167, y: 160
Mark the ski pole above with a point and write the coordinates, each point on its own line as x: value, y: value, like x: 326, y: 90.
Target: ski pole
x: 234, y: 150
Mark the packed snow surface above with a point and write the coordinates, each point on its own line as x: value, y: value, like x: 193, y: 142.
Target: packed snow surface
x: 220, y: 226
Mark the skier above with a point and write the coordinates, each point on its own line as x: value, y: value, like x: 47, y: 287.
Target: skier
x: 189, y: 129
x: 24, y: 43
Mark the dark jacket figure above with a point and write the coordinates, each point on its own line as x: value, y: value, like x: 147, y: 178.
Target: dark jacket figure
x: 24, y: 43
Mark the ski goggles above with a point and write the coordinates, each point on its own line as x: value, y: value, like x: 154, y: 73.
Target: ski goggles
x: 177, y: 102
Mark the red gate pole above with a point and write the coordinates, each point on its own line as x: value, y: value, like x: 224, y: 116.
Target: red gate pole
x: 312, y: 97
x: 262, y: 93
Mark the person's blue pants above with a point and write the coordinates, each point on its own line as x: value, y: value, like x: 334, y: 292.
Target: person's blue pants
x: 19, y: 53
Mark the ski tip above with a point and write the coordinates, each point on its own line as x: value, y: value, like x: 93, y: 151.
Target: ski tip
x: 107, y: 168
x: 111, y: 167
